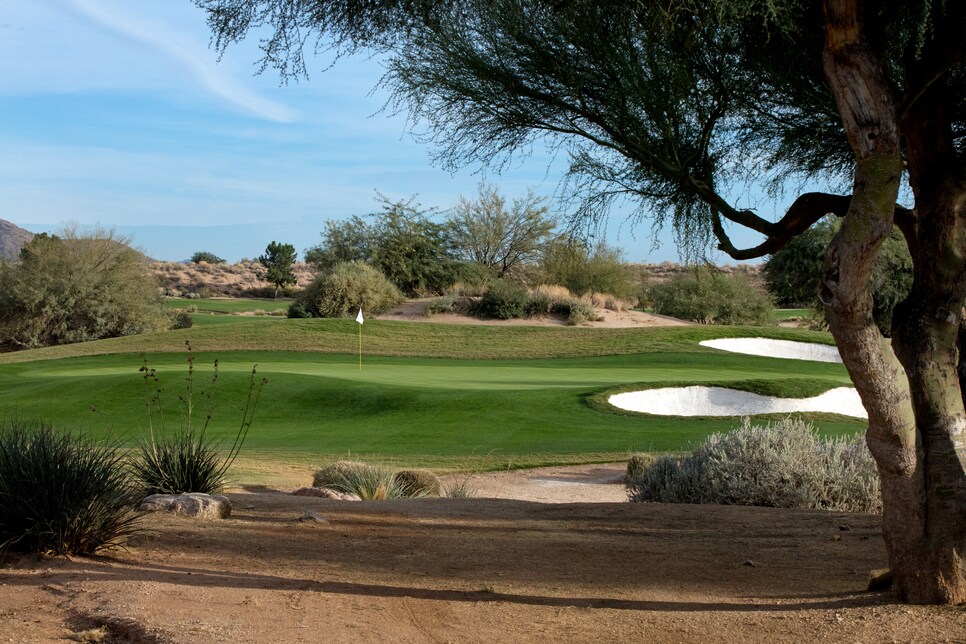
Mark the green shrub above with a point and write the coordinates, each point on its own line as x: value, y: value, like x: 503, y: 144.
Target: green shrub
x: 207, y: 257
x: 503, y: 301
x: 75, y: 287
x: 584, y: 269
x: 443, y: 304
x: 785, y: 465
x: 181, y: 319
x: 187, y: 459
x: 298, y: 310
x: 418, y: 483
x: 60, y: 493
x: 349, y: 286
x: 710, y: 297
x: 576, y: 311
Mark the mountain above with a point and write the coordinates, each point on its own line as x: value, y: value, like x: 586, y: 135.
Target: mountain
x: 12, y: 237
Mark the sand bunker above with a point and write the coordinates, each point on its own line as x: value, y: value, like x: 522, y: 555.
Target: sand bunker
x: 776, y: 348
x: 718, y: 401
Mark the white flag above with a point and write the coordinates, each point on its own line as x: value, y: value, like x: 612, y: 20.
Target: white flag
x: 359, y: 317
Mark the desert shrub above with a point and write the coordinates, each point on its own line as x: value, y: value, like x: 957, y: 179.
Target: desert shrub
x: 584, y: 269
x: 60, y: 493
x: 75, y: 287
x: 348, y: 287
x: 207, y: 257
x: 181, y: 319
x: 459, y: 488
x: 636, y: 465
x: 418, y: 483
x: 576, y: 311
x: 785, y: 465
x: 187, y: 459
x: 710, y: 297
x: 298, y: 310
x: 444, y: 304
x: 503, y: 301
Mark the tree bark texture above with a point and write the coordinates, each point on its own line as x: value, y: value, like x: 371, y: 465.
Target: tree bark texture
x: 917, y: 423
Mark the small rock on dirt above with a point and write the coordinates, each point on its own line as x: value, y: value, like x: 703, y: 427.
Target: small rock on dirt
x: 314, y: 517
x: 880, y: 579
x: 202, y: 506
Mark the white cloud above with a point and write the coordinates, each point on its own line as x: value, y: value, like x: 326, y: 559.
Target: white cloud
x: 186, y: 53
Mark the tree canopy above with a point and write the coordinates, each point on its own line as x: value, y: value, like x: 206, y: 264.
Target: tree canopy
x: 74, y: 287
x: 674, y: 106
x: 278, y: 260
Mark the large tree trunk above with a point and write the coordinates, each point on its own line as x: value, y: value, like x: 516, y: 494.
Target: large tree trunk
x: 916, y: 416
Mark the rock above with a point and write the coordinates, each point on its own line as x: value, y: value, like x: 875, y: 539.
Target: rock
x: 880, y: 579
x: 202, y: 506
x: 315, y: 517
x: 749, y: 563
x: 326, y: 493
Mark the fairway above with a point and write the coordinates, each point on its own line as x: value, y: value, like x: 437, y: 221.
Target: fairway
x: 428, y: 410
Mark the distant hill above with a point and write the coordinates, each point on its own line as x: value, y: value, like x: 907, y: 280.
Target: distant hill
x: 12, y: 238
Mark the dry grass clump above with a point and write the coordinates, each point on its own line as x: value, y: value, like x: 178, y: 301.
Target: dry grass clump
x: 377, y: 483
x: 609, y: 302
x: 418, y: 482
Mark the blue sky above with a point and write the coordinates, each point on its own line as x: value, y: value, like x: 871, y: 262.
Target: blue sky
x: 118, y: 114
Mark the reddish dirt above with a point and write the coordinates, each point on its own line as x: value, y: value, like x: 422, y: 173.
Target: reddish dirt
x: 476, y: 570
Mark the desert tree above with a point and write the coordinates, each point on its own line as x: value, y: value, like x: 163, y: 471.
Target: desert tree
x: 675, y: 105
x: 277, y: 261
x: 77, y: 286
x: 207, y: 257
x: 498, y: 235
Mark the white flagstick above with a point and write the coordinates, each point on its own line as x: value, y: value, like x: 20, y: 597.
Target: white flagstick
x: 360, y: 320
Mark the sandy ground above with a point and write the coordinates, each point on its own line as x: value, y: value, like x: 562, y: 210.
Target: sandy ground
x: 542, y: 555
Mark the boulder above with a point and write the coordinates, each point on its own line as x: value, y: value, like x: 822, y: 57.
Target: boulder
x: 202, y: 506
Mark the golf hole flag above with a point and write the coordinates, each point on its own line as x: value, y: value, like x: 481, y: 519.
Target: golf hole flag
x: 360, y: 320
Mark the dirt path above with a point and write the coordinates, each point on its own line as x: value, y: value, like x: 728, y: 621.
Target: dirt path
x: 477, y: 570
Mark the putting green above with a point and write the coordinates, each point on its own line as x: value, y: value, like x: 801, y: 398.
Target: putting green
x: 417, y: 408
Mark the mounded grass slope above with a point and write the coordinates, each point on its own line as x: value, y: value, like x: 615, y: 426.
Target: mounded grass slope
x: 426, y: 394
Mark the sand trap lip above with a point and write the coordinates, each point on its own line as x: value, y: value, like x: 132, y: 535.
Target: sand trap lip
x: 718, y: 401
x: 776, y: 348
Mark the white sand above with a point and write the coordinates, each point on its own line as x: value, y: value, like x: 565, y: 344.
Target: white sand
x: 718, y: 401
x: 776, y: 348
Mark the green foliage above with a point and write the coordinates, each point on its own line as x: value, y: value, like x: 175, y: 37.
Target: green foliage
x: 443, y: 304
x: 503, y: 301
x: 402, y: 242
x: 572, y: 264
x: 75, y: 287
x: 792, y: 274
x: 207, y: 257
x: 60, y: 493
x: 278, y: 260
x: 345, y: 289
x: 783, y: 465
x: 707, y: 296
x: 181, y: 319
x: 499, y: 237
x: 187, y: 459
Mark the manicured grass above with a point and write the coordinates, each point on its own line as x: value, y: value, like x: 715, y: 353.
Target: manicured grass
x: 787, y: 314
x: 427, y: 394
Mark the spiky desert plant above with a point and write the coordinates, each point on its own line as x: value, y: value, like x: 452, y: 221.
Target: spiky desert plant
x: 60, y: 493
x: 187, y: 459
